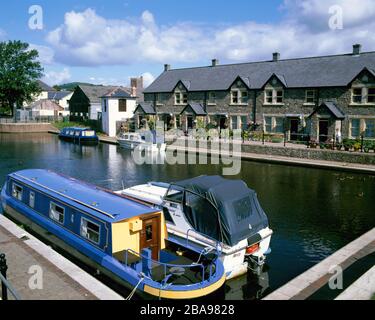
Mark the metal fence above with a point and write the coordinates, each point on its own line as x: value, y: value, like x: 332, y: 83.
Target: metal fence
x: 5, y: 285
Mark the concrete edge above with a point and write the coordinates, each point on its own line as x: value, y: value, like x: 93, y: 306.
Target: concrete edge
x: 315, y: 273
x: 362, y: 289
x: 87, y: 281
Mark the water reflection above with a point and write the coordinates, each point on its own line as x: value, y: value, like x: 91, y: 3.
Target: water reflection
x: 312, y: 212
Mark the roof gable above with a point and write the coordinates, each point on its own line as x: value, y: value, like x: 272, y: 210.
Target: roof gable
x: 244, y: 80
x: 365, y: 71
x: 118, y: 93
x: 195, y: 108
x: 332, y: 108
x: 146, y: 108
x: 274, y: 79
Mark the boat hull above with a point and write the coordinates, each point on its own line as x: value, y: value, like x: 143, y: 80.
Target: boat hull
x: 148, y: 147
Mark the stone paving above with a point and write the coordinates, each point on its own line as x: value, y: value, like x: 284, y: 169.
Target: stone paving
x: 61, y: 279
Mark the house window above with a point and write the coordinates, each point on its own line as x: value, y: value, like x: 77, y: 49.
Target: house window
x: 310, y: 96
x: 273, y: 96
x: 235, y: 97
x: 56, y: 212
x: 32, y: 199
x: 268, y: 124
x: 240, y: 97
x: 90, y: 230
x: 105, y: 105
x: 244, y: 123
x: 355, y: 130
x: 122, y: 105
x: 181, y: 98
x: 371, y: 95
x: 279, y: 125
x: 357, y: 95
x: 269, y: 96
x: 17, y: 191
x: 234, y: 123
x: 370, y: 128
x: 211, y: 98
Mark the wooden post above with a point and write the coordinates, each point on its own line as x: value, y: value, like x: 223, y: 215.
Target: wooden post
x: 3, y: 271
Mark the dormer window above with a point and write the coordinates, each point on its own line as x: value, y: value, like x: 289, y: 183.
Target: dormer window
x: 274, y: 96
x: 181, y: 98
x: 239, y: 96
x: 310, y: 97
x: 363, y: 95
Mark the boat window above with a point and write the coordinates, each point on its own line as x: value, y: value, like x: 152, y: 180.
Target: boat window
x: 88, y: 133
x: 77, y: 133
x: 167, y: 215
x: 17, y: 191
x: 56, y: 213
x: 32, y: 199
x: 149, y: 232
x: 242, y: 208
x: 90, y: 230
x: 175, y: 194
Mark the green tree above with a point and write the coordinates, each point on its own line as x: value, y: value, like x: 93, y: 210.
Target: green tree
x: 19, y: 72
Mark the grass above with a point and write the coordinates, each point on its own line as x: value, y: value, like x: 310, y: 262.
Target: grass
x: 373, y: 297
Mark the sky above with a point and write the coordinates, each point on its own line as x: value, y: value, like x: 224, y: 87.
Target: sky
x: 107, y: 42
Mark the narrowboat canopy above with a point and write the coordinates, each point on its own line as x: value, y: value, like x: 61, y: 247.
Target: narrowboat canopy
x: 237, y: 208
x: 101, y: 203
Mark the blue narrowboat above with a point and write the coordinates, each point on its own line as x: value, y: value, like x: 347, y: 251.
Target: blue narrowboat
x: 79, y: 135
x: 121, y: 237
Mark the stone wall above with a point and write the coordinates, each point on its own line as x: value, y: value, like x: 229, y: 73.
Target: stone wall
x: 25, y: 127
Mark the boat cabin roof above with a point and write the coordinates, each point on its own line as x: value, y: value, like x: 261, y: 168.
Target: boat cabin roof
x: 77, y: 129
x: 100, y: 203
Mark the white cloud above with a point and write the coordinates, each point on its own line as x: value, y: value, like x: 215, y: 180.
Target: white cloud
x: 46, y: 54
x: 57, y: 77
x: 87, y: 39
x: 148, y: 78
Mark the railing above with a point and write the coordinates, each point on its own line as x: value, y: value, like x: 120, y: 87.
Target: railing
x: 46, y: 119
x: 168, y: 266
x: 5, y: 285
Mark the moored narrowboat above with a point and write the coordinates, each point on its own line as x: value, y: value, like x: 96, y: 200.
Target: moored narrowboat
x: 125, y: 239
x: 79, y: 135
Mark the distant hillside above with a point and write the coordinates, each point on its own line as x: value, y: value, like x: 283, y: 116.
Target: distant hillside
x: 72, y: 85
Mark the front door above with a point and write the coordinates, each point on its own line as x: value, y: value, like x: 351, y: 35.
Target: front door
x: 323, y: 130
x: 190, y: 122
x: 294, y: 129
x: 150, y: 236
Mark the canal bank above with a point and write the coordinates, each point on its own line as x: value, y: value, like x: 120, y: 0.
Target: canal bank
x: 25, y: 127
x: 37, y: 272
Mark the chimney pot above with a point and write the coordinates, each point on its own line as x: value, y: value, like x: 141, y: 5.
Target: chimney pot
x: 167, y: 67
x: 357, y: 49
x: 215, y: 62
x: 276, y: 56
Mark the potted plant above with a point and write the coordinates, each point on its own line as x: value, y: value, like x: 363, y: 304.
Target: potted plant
x: 356, y: 146
x: 313, y: 144
x: 347, y: 144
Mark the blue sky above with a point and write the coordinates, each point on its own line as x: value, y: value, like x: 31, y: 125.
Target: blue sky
x: 109, y: 41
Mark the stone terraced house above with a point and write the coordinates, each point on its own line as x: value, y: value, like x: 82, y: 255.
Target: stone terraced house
x: 316, y: 96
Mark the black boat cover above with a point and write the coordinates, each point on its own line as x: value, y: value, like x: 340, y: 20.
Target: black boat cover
x: 235, y: 215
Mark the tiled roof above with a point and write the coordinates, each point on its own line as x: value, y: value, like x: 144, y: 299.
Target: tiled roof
x: 145, y: 108
x: 45, y: 87
x: 94, y: 93
x: 58, y: 95
x: 197, y: 109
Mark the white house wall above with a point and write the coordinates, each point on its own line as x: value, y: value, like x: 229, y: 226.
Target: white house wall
x: 112, y: 116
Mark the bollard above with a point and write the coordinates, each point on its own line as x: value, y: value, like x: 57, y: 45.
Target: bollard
x: 3, y: 271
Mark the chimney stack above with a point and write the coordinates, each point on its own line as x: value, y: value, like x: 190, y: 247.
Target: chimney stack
x: 215, y: 62
x: 136, y: 85
x: 357, y: 49
x: 276, y: 56
x: 167, y: 67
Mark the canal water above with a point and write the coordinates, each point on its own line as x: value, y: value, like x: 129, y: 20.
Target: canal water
x: 313, y: 212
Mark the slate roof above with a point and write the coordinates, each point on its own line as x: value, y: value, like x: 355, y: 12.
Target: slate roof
x: 94, y: 93
x: 146, y: 108
x: 45, y: 104
x: 197, y: 108
x: 58, y: 95
x: 45, y: 87
x: 332, y: 107
x: 327, y: 71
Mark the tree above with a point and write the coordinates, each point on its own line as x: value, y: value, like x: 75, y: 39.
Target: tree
x: 19, y: 72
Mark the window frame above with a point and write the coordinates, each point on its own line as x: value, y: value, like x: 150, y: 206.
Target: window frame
x: 370, y: 95
x: 14, y: 185
x: 313, y: 97
x: 50, y: 211
x: 275, y: 96
x: 121, y: 106
x: 239, y: 93
x: 94, y: 223
x: 211, y: 100
x: 351, y: 128
x: 32, y: 199
x: 366, y: 129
